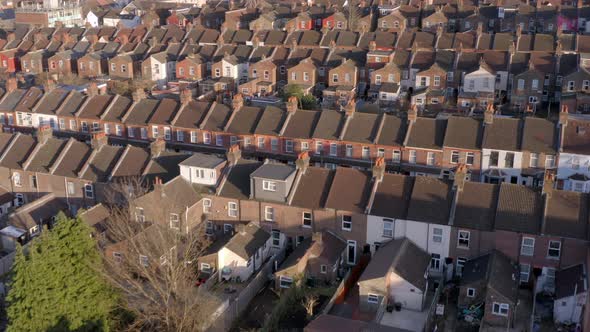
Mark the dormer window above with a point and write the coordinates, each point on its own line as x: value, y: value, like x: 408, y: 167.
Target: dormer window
x: 269, y: 185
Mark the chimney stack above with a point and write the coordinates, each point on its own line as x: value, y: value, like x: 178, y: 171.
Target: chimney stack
x: 563, y: 116
x: 317, y: 237
x: 186, y: 96
x: 413, y: 113
x: 379, y: 169
x: 460, y: 177
x: 11, y: 84
x: 237, y: 102
x: 138, y: 95
x: 92, y: 89
x: 234, y: 154
x: 488, y: 115
x: 350, y: 108
x: 157, y: 183
x: 372, y: 45
x: 44, y: 133
x: 157, y: 147
x: 292, y: 104
x: 98, y: 140
x: 548, y: 183
x: 49, y: 85
x: 302, y: 162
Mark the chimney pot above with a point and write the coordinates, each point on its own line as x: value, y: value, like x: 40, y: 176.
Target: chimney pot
x: 11, y: 84
x: 138, y: 95
x: 292, y: 104
x: 460, y: 177
x: 302, y: 162
x: 98, y: 140
x: 379, y: 169
x: 488, y: 115
x: 234, y: 154
x: 92, y: 89
x: 413, y: 113
x: 548, y: 182
x: 563, y: 115
x: 44, y: 133
x: 238, y: 102
x: 157, y: 147
x: 186, y: 96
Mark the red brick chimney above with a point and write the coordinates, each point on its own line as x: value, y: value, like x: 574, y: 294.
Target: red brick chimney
x: 11, y: 84
x: 237, y: 102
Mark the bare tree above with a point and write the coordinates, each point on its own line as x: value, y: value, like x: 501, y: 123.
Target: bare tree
x: 354, y: 15
x: 154, y: 266
x: 309, y: 302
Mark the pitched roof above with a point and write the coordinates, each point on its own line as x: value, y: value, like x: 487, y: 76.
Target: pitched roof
x: 430, y: 200
x: 329, y: 125
x: 100, y: 166
x: 245, y: 120
x: 463, y: 133
x: 393, y: 131
x: 497, y: 270
x: 476, y: 206
x: 342, y: 198
x: 247, y: 240
x: 392, y: 196
x: 362, y: 128
x: 539, y: 135
x: 404, y: 258
x: 566, y: 214
x: 141, y: 112
x: 302, y: 124
x: 273, y: 171
x: 313, y: 188
x: 519, y: 209
x: 237, y: 184
x: 570, y: 281
x: 217, y: 117
x: 503, y: 134
x: 72, y: 159
x: 427, y: 133
x: 202, y: 160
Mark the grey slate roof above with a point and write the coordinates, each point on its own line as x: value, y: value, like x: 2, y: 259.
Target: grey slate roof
x: 272, y: 171
x: 202, y: 160
x: 246, y: 242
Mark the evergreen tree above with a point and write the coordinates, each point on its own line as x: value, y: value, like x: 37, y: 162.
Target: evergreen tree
x: 56, y: 285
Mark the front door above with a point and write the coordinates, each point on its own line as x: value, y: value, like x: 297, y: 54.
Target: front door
x: 351, y: 251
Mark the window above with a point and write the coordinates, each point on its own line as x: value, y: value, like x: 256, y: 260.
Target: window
x: 346, y: 223
x: 304, y: 146
x: 435, y: 261
x: 167, y: 133
x: 380, y: 152
x: 554, y: 250
x: 575, y: 163
x: 70, y: 188
x: 288, y: 146
x: 155, y: 132
x: 412, y: 158
x: 460, y: 264
x: 205, y: 268
x: 454, y: 157
x: 139, y: 215
x: 335, y: 78
x: 520, y: 84
x: 227, y: 228
x: 373, y: 298
x: 323, y: 269
x: 180, y: 136
x: 118, y: 257
x: 285, y: 282
x: 274, y: 144
x: 84, y: 127
x: 494, y: 156
x: 463, y: 239
x: 269, y: 185
x: 348, y: 150
x: 174, y: 221
x: 470, y: 292
x: 307, y: 219
x: 16, y: 180
x: 318, y: 147
x: 20, y: 199
x: 232, y: 209
x: 33, y: 181
x: 366, y: 152
x: 396, y: 156
x: 333, y: 149
x: 89, y: 190
x: 527, y: 248
x: 549, y: 161
x: 534, y: 162
x: 276, y: 238
x: 535, y: 84
x: 388, y: 228
x: 437, y: 235
x: 206, y: 205
x: 430, y: 158
x: 144, y: 261
x: 269, y: 213
x: 500, y: 309
x: 119, y: 130
x: 218, y: 140
x: 525, y: 271
x: 436, y: 80
x: 261, y: 142
x: 193, y: 137
x: 509, y: 160
x: 62, y: 124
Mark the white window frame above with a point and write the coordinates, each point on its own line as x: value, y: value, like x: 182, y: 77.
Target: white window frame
x: 500, y: 308
x: 372, y: 298
x: 89, y: 190
x: 206, y: 205
x: 288, y: 281
x: 323, y: 269
x: 470, y: 292
x: 346, y: 223
x: 525, y: 270
x: 232, y: 209
x: 551, y: 248
x: 269, y: 185
x: 525, y: 247
x: 306, y: 219
x: 269, y: 213
x: 174, y: 219
x: 144, y: 260
x: 436, y: 237
x: 388, y: 228
x: 463, y: 236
